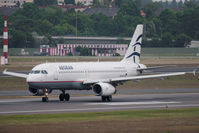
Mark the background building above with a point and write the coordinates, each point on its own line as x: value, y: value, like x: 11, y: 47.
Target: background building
x: 94, y: 49
x: 60, y: 2
x: 13, y: 3
x: 84, y: 2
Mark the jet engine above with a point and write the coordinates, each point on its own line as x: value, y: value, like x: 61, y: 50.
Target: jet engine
x: 104, y: 89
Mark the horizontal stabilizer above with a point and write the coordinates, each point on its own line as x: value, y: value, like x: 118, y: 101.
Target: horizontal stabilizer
x: 155, y: 67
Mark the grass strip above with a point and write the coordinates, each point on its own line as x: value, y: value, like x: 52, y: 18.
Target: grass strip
x: 96, y: 116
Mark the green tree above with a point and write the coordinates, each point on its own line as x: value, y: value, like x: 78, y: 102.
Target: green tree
x: 102, y: 25
x: 118, y: 3
x: 174, y: 4
x: 167, y: 40
x: 64, y: 29
x: 180, y: 4
x: 182, y: 40
x: 1, y: 23
x: 190, y: 21
x: 69, y: 1
x: 21, y: 40
x: 150, y: 8
x: 168, y: 21
x: 45, y: 26
x: 18, y: 4
x: 30, y: 11
x: 129, y: 8
x: 150, y: 29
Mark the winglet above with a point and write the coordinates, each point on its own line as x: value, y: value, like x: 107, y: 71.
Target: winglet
x: 194, y: 72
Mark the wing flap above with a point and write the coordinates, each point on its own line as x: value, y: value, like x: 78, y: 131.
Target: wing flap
x: 21, y: 75
x: 147, y: 76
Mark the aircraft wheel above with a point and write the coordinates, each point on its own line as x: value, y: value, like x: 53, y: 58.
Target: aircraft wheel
x: 44, y: 99
x: 61, y: 97
x: 67, y: 97
x: 106, y: 98
x: 109, y: 98
x: 103, y: 98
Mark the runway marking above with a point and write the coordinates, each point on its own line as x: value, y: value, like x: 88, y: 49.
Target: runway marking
x: 98, y: 109
x: 18, y: 100
x: 132, y: 103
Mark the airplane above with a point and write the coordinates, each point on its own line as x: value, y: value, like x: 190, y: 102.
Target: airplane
x: 100, y: 77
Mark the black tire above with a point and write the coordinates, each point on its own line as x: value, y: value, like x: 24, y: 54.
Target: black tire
x: 109, y: 98
x: 61, y: 97
x: 66, y: 97
x: 44, y: 99
x: 103, y: 98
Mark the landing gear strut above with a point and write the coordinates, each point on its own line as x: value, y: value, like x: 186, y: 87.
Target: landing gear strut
x: 45, y: 98
x: 64, y: 96
x: 106, y: 98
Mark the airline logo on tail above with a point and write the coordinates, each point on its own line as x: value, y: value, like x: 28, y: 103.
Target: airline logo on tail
x: 134, y: 48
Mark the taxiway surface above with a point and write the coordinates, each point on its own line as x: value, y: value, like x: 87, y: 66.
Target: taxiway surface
x: 125, y: 100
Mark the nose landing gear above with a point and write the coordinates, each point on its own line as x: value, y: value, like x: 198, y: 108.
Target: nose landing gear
x: 45, y: 98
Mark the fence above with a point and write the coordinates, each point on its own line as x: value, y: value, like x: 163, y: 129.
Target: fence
x: 145, y: 52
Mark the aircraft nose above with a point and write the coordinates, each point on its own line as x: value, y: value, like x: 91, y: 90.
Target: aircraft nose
x: 31, y: 78
x: 28, y: 79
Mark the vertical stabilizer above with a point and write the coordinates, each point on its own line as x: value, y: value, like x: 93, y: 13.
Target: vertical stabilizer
x: 134, y: 49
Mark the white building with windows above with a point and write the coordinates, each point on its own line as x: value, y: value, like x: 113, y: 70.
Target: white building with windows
x: 60, y: 2
x: 95, y: 49
x: 13, y: 3
x: 84, y: 2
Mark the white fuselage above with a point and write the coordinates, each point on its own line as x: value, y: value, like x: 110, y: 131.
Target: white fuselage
x: 72, y: 75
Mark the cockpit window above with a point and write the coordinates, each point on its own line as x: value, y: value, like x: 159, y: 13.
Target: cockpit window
x: 44, y: 72
x: 35, y: 72
x: 38, y: 72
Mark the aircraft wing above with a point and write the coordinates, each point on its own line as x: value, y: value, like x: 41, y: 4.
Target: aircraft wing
x: 21, y: 75
x: 121, y: 79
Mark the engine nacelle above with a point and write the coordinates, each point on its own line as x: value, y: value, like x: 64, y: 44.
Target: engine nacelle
x: 36, y: 92
x: 104, y: 89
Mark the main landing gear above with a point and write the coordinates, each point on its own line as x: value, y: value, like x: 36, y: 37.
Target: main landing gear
x: 106, y: 98
x: 64, y: 96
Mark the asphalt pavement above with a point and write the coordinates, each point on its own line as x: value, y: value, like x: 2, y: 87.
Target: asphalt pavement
x: 125, y: 99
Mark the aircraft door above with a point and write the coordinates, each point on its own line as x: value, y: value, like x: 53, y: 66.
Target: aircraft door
x: 86, y: 73
x: 56, y: 74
